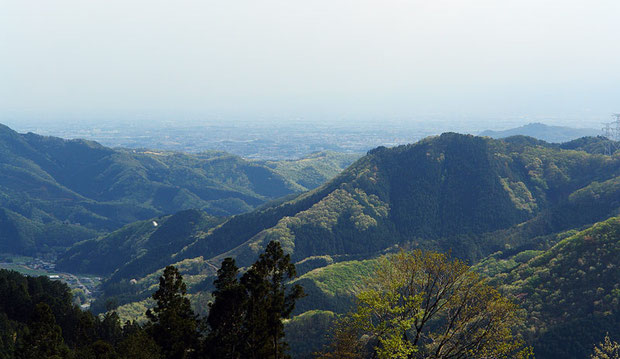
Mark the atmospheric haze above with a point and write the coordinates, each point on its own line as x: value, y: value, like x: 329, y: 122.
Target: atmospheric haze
x: 312, y: 59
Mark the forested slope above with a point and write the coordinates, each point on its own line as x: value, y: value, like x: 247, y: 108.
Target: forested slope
x: 56, y: 192
x: 570, y: 292
x: 469, y: 195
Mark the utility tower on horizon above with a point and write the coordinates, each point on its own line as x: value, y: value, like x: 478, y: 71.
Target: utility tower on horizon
x: 611, y: 130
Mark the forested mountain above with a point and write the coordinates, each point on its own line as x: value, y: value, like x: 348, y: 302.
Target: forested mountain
x: 469, y: 195
x: 39, y: 320
x: 315, y: 169
x: 151, y: 239
x: 556, y: 134
x: 502, y: 202
x: 570, y: 292
x: 55, y: 192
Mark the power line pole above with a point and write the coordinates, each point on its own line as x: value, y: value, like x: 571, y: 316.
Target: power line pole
x: 611, y: 130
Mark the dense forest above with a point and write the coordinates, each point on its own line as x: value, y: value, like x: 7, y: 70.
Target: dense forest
x: 56, y: 192
x: 536, y: 221
x: 39, y: 320
x: 473, y: 196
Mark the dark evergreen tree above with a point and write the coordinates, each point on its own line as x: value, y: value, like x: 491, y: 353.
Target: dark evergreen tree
x: 139, y: 345
x: 226, y: 314
x: 45, y: 337
x: 174, y: 326
x: 268, y: 303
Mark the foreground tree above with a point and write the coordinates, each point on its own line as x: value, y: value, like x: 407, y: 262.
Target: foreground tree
x: 269, y: 303
x: 226, y: 314
x: 246, y: 318
x: 45, y: 337
x: 174, y: 326
x: 427, y: 305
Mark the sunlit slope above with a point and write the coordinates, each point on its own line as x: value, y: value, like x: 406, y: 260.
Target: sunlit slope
x: 315, y: 169
x: 470, y: 195
x: 53, y: 184
x: 571, y: 292
x: 447, y: 193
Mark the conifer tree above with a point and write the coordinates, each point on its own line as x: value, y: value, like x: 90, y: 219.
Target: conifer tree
x: 45, y: 337
x: 268, y: 303
x: 174, y: 326
x: 226, y: 314
x: 246, y: 316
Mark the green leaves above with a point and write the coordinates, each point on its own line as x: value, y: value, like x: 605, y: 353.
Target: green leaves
x: 174, y: 324
x: 428, y: 305
x: 246, y: 318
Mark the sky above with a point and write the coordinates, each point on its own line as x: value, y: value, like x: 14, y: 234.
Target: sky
x: 319, y: 59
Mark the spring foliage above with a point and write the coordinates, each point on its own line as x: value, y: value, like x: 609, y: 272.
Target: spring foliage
x: 428, y: 305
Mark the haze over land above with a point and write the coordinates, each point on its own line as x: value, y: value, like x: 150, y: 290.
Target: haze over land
x: 251, y: 179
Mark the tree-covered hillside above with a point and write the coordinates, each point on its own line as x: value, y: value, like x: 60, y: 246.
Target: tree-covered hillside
x: 148, y: 240
x: 56, y: 192
x: 315, y: 169
x: 570, y: 292
x: 469, y: 195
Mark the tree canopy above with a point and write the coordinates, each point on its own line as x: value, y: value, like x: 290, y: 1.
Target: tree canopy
x: 428, y: 305
x: 246, y: 318
x: 174, y: 324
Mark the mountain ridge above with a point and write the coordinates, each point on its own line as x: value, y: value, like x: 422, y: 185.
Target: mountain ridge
x: 469, y: 195
x: 79, y: 183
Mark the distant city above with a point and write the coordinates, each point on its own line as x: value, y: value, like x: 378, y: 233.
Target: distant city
x: 267, y: 140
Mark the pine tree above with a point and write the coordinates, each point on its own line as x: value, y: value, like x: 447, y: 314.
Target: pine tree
x: 45, y: 337
x: 174, y: 326
x: 226, y: 314
x: 268, y: 303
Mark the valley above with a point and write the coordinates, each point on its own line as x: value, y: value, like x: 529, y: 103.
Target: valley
x: 85, y: 288
x: 510, y: 207
x: 310, y: 179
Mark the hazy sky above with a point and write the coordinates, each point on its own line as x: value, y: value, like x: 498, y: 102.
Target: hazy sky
x: 311, y: 59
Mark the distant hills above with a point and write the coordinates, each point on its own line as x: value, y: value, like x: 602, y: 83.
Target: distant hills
x: 473, y: 196
x: 539, y: 219
x: 313, y: 170
x: 55, y: 192
x: 554, y: 134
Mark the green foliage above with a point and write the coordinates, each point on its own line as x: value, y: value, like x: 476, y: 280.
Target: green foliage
x: 173, y: 322
x: 307, y: 331
x: 427, y: 305
x: 507, y: 201
x: 38, y: 320
x: 44, y: 339
x: 608, y: 349
x: 315, y: 169
x: 268, y: 302
x: 146, y: 240
x: 247, y: 315
x: 227, y: 314
x: 139, y: 345
x: 570, y: 291
x: 66, y: 191
x: 335, y: 286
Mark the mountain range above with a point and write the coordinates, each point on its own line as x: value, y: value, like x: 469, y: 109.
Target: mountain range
x: 477, y: 197
x: 56, y: 192
x: 555, y: 134
x: 539, y: 219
